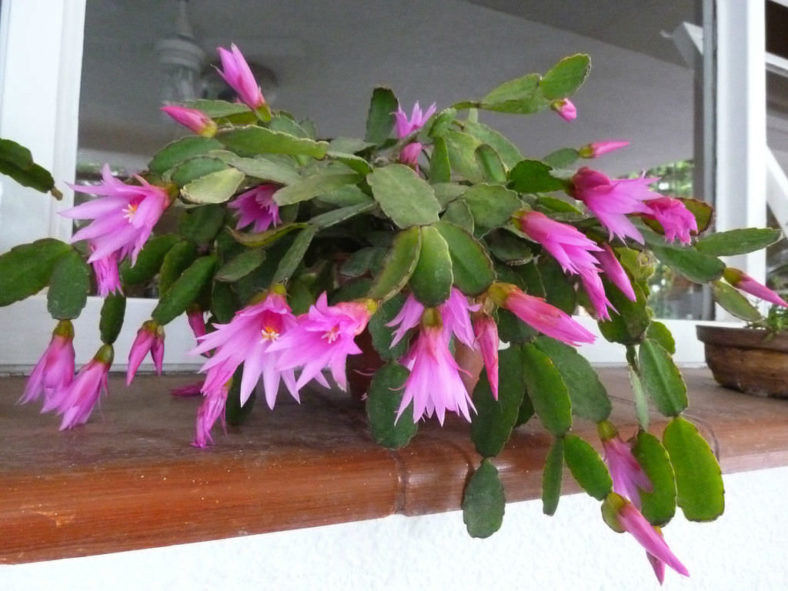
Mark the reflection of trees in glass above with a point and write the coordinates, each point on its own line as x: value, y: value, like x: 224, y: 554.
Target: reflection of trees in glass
x: 671, y: 295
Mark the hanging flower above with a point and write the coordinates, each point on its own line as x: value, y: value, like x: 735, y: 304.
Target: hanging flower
x: 404, y: 127
x: 565, y: 108
x: 538, y: 314
x: 193, y: 119
x: 257, y: 207
x: 434, y: 385
x: 597, y: 149
x: 573, y: 251
x: 740, y: 280
x: 323, y: 338
x: 76, y: 401
x: 612, y: 200
x: 211, y: 410
x: 628, y: 477
x: 55, y: 369
x: 122, y: 220
x: 486, y: 332
x: 249, y: 338
x: 196, y: 320
x: 622, y: 516
x: 150, y: 338
x: 107, y: 275
x: 674, y: 217
x: 237, y: 73
x: 614, y: 271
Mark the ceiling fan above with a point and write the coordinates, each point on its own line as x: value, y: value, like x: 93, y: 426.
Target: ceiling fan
x: 191, y: 75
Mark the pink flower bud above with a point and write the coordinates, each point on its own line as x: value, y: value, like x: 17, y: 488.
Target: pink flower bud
x: 565, y: 109
x: 193, y: 119
x: 740, y: 280
x: 238, y: 75
x: 597, y: 149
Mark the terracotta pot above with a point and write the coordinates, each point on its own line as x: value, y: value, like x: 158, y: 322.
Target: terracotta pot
x: 747, y: 360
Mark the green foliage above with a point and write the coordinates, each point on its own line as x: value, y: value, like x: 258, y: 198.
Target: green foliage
x: 25, y: 269
x: 483, y: 503
x: 253, y: 140
x: 202, y: 224
x: 547, y: 391
x: 662, y: 379
x: 184, y: 290
x: 698, y: 477
x: 113, y: 310
x: 149, y: 260
x: 552, y: 476
x: 403, y: 196
x: 68, y: 287
x: 432, y: 278
x: 470, y: 265
x: 491, y: 428
x: 216, y: 187
x: 587, y: 467
x: 533, y: 176
x: 384, y: 397
x: 16, y: 161
x: 380, y: 118
x: 181, y: 150
x: 734, y: 302
x: 399, y: 264
x: 659, y: 504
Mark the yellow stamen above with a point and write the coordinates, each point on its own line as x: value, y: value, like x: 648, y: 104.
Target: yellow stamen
x: 332, y: 335
x: 269, y: 334
x: 130, y: 211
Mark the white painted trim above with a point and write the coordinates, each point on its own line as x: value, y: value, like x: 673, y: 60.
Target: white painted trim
x: 41, y: 71
x: 741, y: 123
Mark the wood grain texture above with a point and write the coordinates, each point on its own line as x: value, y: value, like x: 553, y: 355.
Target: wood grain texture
x: 130, y: 479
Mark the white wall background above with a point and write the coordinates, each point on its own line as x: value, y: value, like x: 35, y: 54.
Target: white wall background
x: 743, y: 550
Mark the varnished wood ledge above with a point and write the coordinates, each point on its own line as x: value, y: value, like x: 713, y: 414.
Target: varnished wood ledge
x: 130, y: 479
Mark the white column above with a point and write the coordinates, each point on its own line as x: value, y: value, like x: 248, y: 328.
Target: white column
x: 741, y: 123
x: 40, y: 71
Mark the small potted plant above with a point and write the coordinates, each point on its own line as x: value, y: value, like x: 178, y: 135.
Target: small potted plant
x: 752, y: 359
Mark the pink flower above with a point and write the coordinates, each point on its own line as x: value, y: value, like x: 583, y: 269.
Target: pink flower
x: 322, y: 339
x: 537, y: 313
x: 404, y: 127
x: 257, y: 206
x: 565, y: 109
x: 193, y: 119
x: 628, y: 477
x: 740, y: 280
x: 674, y: 217
x: 568, y: 245
x: 455, y: 314
x: 408, y: 317
x: 238, y: 75
x: 614, y: 271
x: 211, y: 410
x: 76, y: 401
x: 122, y: 220
x: 597, y: 149
x: 573, y: 251
x: 611, y: 200
x: 487, y: 339
x: 193, y: 389
x: 249, y: 338
x: 150, y: 338
x: 107, y: 276
x: 627, y: 518
x: 55, y: 369
x: 196, y: 320
x: 434, y: 384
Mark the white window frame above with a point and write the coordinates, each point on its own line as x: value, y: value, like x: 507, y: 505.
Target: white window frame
x: 40, y: 71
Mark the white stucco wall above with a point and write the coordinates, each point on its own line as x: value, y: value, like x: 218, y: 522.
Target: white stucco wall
x: 743, y: 550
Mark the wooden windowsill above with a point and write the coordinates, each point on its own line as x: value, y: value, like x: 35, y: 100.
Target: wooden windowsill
x: 131, y: 480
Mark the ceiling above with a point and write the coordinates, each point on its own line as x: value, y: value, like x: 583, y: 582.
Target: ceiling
x: 327, y: 56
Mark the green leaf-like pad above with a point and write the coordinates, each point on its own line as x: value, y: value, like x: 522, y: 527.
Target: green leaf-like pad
x: 398, y: 265
x: 587, y: 467
x: 563, y: 79
x: 294, y: 255
x: 533, y: 176
x: 547, y: 391
x: 26, y: 269
x: 471, y: 267
x: 181, y: 150
x: 380, y: 118
x: 701, y: 494
x: 113, y: 310
x: 216, y: 187
x: 483, y: 503
x: 16, y: 161
x: 491, y: 205
x: 740, y: 241
x: 68, y: 287
x: 659, y: 505
x: 185, y: 290
x: 382, y: 335
x: 588, y: 395
x: 491, y: 428
x: 149, y: 260
x: 252, y: 140
x: 241, y: 265
x: 403, y: 196
x: 432, y: 278
x: 552, y: 477
x: 734, y: 302
x: 662, y: 379
x: 383, y: 400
